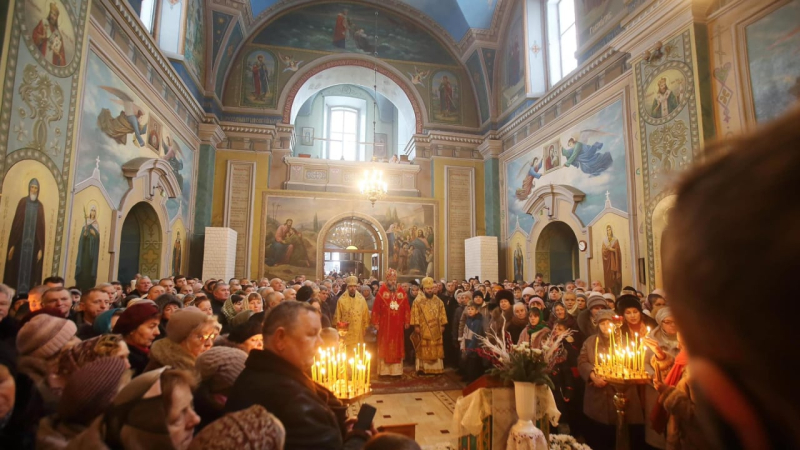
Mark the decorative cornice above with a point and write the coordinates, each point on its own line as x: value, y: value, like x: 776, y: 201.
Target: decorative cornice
x: 139, y: 34
x: 588, y: 67
x: 266, y: 130
x: 491, y: 148
x: 211, y: 134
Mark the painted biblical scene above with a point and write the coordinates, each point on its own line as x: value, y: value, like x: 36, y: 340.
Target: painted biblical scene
x: 194, y: 43
x: 773, y: 56
x: 259, y: 79
x: 350, y: 28
x: 593, y: 16
x: 513, y: 63
x: 589, y: 156
x: 116, y: 127
x: 28, y: 207
x: 666, y: 94
x: 445, y: 97
x: 479, y: 82
x: 299, y: 230
x: 51, y: 31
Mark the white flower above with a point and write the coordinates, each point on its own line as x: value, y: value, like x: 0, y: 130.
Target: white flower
x: 21, y: 131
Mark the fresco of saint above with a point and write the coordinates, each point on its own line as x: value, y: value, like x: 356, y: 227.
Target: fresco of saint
x: 24, y: 263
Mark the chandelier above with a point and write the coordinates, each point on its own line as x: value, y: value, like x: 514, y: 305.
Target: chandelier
x: 372, y: 186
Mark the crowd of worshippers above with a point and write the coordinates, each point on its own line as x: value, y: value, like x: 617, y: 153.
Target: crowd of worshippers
x: 174, y: 363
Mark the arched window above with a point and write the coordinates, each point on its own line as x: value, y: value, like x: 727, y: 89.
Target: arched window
x: 343, y: 132
x: 562, y: 38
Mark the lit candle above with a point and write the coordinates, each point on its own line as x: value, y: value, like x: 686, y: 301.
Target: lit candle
x: 369, y: 366
x: 596, y: 342
x: 353, y: 376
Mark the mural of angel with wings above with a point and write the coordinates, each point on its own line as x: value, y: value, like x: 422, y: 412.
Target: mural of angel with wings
x: 418, y: 77
x: 530, y: 179
x: 588, y: 158
x: 131, y: 119
x: 290, y: 63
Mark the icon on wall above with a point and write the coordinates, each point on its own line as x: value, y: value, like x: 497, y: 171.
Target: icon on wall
x: 307, y: 136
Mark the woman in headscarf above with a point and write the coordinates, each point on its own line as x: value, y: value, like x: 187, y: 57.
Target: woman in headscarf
x: 154, y: 411
x: 570, y: 301
x: 502, y: 315
x: 518, y: 322
x: 536, y: 331
x: 581, y: 299
x: 106, y: 320
x: 662, y: 348
x: 232, y: 306
x: 559, y: 313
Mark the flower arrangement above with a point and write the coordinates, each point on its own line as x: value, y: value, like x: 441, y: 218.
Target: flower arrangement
x: 522, y: 362
x: 566, y: 442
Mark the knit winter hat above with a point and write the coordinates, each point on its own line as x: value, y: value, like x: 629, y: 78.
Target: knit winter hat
x: 86, y: 352
x: 528, y: 291
x: 183, y: 321
x: 134, y: 316
x: 168, y: 299
x: 44, y: 336
x: 538, y: 301
x: 604, y: 314
x: 90, y: 390
x: 251, y: 428
x: 662, y: 314
x: 220, y: 366
x: 596, y: 300
x: 628, y: 301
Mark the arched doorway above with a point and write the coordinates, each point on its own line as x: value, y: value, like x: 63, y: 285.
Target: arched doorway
x: 557, y: 253
x: 353, y: 245
x: 140, y: 244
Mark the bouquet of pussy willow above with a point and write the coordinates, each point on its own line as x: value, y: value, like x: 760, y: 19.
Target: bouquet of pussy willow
x: 521, y: 362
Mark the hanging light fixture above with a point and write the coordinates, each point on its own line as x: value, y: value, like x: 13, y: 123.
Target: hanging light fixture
x: 372, y: 186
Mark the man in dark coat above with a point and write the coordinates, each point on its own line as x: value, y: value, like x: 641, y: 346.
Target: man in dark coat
x: 277, y: 379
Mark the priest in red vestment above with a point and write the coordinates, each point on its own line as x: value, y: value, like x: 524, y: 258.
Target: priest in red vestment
x: 391, y: 316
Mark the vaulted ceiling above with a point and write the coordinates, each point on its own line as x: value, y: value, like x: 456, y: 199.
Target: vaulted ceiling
x: 455, y: 16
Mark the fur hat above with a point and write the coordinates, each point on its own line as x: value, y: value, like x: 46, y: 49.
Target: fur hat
x: 596, y: 300
x: 220, y: 366
x: 134, y: 316
x: 90, y: 390
x: 628, y: 301
x: 183, y: 321
x: 44, y: 336
x: 504, y: 294
x: 253, y: 427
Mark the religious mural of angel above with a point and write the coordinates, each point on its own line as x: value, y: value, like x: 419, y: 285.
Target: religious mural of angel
x: 530, y: 179
x: 131, y: 119
x: 289, y: 62
x: 418, y: 77
x: 588, y: 158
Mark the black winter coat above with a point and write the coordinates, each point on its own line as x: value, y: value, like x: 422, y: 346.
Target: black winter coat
x: 313, y: 417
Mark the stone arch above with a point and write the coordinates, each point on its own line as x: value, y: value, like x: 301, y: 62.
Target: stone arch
x: 557, y: 253
x: 384, y: 239
x: 293, y: 97
x: 141, y: 241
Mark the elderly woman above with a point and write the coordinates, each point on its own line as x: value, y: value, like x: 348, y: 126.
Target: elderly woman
x: 247, y: 336
x: 190, y: 332
x: 154, y: 411
x: 598, y: 400
x: 518, y: 322
x: 138, y: 325
x: 582, y: 299
x: 536, y: 331
x: 232, y: 306
x: 501, y: 316
x: 254, y: 425
x: 559, y: 313
x: 90, y: 350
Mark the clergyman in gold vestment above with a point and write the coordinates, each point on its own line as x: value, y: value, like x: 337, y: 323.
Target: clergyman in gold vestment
x: 429, y: 317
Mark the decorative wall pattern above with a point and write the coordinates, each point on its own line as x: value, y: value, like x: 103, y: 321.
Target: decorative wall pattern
x: 669, y: 126
x: 219, y: 26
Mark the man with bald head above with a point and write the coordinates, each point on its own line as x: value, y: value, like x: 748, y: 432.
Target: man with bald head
x: 290, y: 294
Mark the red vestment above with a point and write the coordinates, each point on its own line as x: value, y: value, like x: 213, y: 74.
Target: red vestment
x: 41, y: 36
x: 340, y: 30
x: 391, y: 321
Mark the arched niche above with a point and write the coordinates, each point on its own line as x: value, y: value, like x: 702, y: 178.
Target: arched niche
x: 141, y: 243
x: 557, y: 253
x: 152, y: 181
x: 555, y: 203
x: 659, y: 224
x: 334, y: 70
x: 373, y: 225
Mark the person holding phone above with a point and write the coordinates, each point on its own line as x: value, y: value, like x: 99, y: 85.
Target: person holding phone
x: 277, y: 378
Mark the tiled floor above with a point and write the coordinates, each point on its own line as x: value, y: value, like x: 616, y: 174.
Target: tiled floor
x: 431, y: 411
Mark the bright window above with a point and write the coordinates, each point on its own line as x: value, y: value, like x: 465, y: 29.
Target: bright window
x: 147, y: 14
x: 562, y: 38
x: 343, y: 133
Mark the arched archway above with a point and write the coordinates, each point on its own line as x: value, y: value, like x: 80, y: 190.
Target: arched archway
x: 352, y: 242
x: 140, y: 243
x: 557, y: 253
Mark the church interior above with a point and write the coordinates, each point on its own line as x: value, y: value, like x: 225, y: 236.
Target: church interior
x: 284, y: 138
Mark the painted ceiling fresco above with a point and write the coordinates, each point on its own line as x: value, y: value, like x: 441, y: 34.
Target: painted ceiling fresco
x: 455, y: 16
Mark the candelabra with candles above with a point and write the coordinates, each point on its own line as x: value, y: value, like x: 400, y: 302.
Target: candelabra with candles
x: 373, y: 186
x: 621, y: 367
x: 347, y: 377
